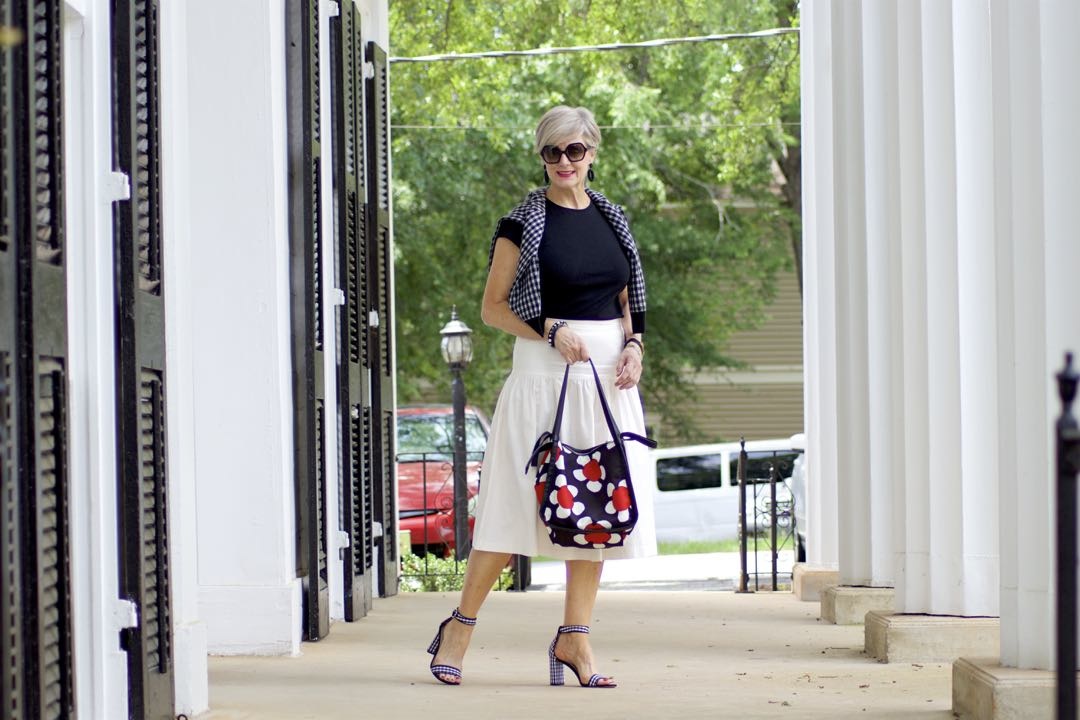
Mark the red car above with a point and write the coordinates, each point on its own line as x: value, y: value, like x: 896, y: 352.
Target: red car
x: 425, y: 473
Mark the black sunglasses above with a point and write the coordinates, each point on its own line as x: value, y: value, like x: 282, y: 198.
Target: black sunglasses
x: 574, y: 152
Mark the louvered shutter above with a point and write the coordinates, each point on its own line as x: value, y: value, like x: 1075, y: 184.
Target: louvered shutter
x: 305, y: 250
x: 142, y: 387
x: 38, y: 672
x: 351, y: 204
x: 12, y: 685
x: 380, y: 304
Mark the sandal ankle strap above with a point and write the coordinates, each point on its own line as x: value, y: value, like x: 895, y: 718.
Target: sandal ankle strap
x: 563, y: 629
x: 465, y: 620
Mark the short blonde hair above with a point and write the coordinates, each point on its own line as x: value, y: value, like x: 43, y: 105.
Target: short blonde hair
x: 561, y: 122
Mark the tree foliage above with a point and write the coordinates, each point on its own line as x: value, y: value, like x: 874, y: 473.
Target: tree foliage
x: 700, y: 146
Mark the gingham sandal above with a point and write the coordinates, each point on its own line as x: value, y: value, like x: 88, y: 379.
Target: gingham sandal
x: 556, y: 664
x: 439, y: 670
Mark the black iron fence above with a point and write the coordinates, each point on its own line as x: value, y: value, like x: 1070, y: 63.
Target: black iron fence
x: 766, y: 514
x: 427, y: 517
x: 1067, y: 456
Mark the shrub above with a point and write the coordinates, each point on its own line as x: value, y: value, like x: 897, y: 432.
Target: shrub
x: 431, y: 573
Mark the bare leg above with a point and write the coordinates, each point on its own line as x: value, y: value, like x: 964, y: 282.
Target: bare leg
x: 480, y: 574
x: 582, y: 583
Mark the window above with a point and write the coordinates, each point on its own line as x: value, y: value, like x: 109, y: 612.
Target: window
x: 759, y: 465
x: 434, y: 434
x: 694, y: 472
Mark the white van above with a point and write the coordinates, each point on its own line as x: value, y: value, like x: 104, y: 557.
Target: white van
x: 696, y: 493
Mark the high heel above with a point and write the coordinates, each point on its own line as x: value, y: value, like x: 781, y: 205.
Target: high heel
x: 555, y: 664
x: 438, y: 670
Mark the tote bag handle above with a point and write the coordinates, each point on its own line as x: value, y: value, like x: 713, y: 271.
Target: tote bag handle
x: 612, y: 427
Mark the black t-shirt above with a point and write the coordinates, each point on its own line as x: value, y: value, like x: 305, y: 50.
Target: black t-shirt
x: 582, y: 265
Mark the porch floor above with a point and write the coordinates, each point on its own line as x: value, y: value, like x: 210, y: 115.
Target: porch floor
x: 680, y: 654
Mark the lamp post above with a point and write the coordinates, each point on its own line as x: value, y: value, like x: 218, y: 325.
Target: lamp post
x: 457, y: 352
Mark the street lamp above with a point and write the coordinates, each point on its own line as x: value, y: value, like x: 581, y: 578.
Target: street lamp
x: 457, y: 352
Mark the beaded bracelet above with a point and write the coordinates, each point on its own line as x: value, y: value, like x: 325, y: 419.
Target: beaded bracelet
x: 636, y: 342
x: 554, y: 329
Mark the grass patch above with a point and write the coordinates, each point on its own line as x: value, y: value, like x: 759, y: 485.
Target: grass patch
x: 685, y: 548
x: 698, y: 546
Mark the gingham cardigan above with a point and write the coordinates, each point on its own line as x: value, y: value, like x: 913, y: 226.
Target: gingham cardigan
x: 531, y: 213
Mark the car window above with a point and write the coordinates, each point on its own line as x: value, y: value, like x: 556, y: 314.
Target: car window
x: 759, y: 465
x: 693, y: 472
x: 435, y: 434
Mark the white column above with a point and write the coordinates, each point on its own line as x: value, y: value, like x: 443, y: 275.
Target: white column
x: 976, y: 312
x: 330, y: 315
x: 189, y: 632
x: 853, y: 452
x: 240, y: 312
x: 913, y: 494
x: 883, y: 280
x: 943, y: 331
x: 819, y: 290
x: 1061, y: 187
x: 1024, y: 462
x: 1035, y: 105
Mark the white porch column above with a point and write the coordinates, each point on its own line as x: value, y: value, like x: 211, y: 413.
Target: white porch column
x: 913, y: 494
x: 852, y: 411
x: 942, y: 318
x: 819, y: 288
x: 1024, y: 459
x: 190, y: 662
x: 1035, y: 187
x: 240, y: 312
x: 976, y: 516
x: 883, y: 280
x: 1061, y: 108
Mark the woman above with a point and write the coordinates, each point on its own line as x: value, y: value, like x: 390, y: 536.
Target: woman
x: 565, y: 279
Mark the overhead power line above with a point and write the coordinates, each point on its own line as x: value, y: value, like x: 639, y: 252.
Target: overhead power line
x: 643, y: 127
x: 757, y: 34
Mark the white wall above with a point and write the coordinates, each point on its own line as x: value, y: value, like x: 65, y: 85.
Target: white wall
x: 240, y: 330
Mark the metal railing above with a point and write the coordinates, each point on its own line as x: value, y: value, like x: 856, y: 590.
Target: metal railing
x: 776, y: 516
x: 427, y: 513
x: 1067, y: 456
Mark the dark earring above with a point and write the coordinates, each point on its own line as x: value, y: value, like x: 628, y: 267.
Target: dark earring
x: 546, y: 178
x: 591, y: 175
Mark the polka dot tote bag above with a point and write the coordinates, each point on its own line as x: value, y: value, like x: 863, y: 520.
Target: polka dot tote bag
x: 585, y: 496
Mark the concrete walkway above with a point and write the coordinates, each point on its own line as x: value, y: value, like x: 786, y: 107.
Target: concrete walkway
x: 692, y: 571
x: 675, y: 655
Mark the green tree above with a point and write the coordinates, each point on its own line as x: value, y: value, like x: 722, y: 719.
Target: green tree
x: 700, y: 146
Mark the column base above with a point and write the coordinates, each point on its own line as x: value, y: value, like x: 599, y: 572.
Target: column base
x: 807, y: 581
x: 984, y: 690
x: 929, y: 638
x: 848, y: 605
x: 252, y: 620
x: 190, y: 665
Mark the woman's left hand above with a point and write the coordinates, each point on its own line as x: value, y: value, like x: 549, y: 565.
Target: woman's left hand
x: 628, y: 369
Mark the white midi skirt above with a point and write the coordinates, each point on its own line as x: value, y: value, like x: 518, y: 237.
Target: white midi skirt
x: 506, y: 512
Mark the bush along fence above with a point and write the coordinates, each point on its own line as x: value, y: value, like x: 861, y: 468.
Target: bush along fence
x: 428, y: 530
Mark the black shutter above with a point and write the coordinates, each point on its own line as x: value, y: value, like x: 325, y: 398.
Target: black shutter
x: 35, y: 605
x: 380, y: 352
x: 140, y: 353
x: 12, y: 685
x: 305, y: 230
x: 351, y: 207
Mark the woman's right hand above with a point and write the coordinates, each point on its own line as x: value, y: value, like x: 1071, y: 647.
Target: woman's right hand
x: 570, y: 345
